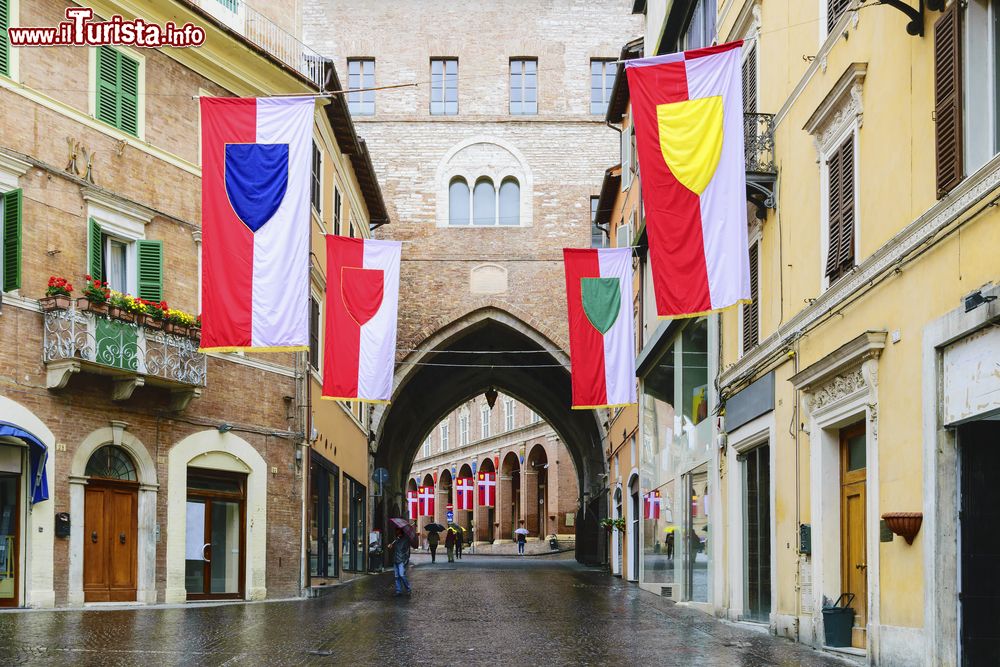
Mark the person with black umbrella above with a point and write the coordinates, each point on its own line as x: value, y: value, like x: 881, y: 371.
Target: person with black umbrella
x: 433, y: 539
x: 400, y: 557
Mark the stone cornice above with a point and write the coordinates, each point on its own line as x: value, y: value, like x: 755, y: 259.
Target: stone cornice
x: 912, y: 238
x: 868, y: 345
x: 107, y: 200
x: 828, y: 109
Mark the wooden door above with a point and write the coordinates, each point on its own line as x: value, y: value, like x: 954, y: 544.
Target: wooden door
x: 10, y: 536
x: 110, y: 529
x: 853, y: 547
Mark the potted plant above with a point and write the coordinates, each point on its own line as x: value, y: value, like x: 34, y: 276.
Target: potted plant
x: 178, y: 322
x: 58, y: 294
x: 95, y: 297
x: 194, y: 331
x: 119, y: 307
x: 156, y: 313
x: 611, y: 524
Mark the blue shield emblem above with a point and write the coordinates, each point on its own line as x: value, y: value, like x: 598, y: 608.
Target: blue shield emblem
x: 256, y: 181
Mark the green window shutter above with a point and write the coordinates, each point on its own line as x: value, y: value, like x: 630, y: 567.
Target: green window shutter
x: 4, y: 43
x: 95, y: 250
x: 150, y: 269
x: 107, y: 85
x: 12, y: 209
x: 128, y: 94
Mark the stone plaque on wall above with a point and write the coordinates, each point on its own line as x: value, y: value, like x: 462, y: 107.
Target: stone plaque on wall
x: 488, y: 279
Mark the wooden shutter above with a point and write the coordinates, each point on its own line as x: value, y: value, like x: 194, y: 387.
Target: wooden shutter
x: 107, y: 86
x: 128, y: 94
x: 948, y: 99
x: 336, y: 211
x: 95, y: 250
x: 845, y: 253
x: 834, y: 196
x: 750, y: 81
x: 12, y: 204
x: 150, y: 269
x: 314, y: 333
x: 751, y: 311
x: 4, y: 44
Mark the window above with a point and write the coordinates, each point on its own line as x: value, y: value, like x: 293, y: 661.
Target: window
x: 834, y: 10
x: 336, y: 210
x: 316, y: 191
x: 463, y: 429
x: 111, y: 462
x: 510, y: 203
x: 484, y: 203
x: 427, y: 446
x: 751, y: 311
x: 361, y: 75
x: 508, y: 414
x: 354, y: 534
x: 602, y: 80
x: 231, y: 5
x: 598, y: 237
x: 840, y: 210
x: 523, y: 86
x: 444, y: 436
x: 5, y: 22
x: 458, y: 202
x: 535, y: 417
x: 626, y: 154
x: 133, y: 266
x: 10, y: 259
x: 749, y: 79
x: 623, y: 234
x: 444, y: 87
x: 484, y: 421
x: 314, y: 332
x: 117, y: 90
x: 701, y: 29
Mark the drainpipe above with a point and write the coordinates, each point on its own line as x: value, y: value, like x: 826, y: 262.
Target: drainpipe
x: 794, y: 354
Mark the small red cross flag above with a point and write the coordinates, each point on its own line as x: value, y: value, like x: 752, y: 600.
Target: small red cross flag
x: 652, y: 505
x: 426, y: 496
x: 412, y: 504
x: 487, y: 484
x: 464, y: 487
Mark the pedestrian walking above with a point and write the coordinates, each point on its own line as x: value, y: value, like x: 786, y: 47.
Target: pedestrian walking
x: 449, y: 544
x: 459, y: 544
x: 522, y: 537
x: 400, y: 558
x: 433, y: 539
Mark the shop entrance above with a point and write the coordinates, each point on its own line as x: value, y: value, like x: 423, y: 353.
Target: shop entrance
x: 324, y: 480
x: 215, y: 535
x: 979, y: 596
x: 110, y: 526
x: 853, y: 546
x: 10, y: 530
x: 757, y: 532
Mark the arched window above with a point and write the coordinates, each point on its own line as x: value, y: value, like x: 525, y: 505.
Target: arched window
x: 458, y: 202
x: 510, y: 202
x: 111, y: 462
x: 484, y: 210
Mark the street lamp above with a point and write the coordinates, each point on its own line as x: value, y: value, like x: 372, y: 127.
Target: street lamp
x: 491, y: 397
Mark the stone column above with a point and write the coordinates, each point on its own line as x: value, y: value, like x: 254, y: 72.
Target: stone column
x: 505, y: 500
x: 529, y: 504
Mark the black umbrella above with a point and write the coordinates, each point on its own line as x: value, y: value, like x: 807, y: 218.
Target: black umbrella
x: 407, y: 529
x: 435, y: 528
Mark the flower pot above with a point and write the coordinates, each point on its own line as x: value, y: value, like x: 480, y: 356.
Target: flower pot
x: 904, y: 524
x: 57, y: 302
x: 98, y: 308
x: 153, y: 323
x: 121, y: 314
x: 194, y: 333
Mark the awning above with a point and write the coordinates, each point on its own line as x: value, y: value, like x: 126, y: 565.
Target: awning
x: 37, y: 454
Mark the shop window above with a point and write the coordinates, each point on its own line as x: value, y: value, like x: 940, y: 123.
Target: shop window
x: 355, y: 537
x: 324, y: 520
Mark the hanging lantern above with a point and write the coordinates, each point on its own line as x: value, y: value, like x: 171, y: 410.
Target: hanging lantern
x: 491, y: 397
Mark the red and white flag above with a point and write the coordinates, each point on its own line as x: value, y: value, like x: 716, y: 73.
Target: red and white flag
x: 255, y: 220
x: 601, y: 328
x: 687, y: 109
x: 651, y: 508
x: 487, y: 483
x: 464, y: 487
x: 426, y: 496
x: 362, y: 298
x: 412, y: 505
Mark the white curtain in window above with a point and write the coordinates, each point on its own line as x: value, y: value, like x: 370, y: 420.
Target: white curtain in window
x: 510, y: 202
x: 116, y: 264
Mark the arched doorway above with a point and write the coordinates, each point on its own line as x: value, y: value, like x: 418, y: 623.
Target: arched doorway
x: 509, y: 497
x: 464, y: 517
x: 111, y: 526
x: 536, y: 474
x: 635, y: 515
x: 486, y: 526
x: 617, y: 537
x: 444, y: 497
x: 526, y: 365
x: 425, y: 500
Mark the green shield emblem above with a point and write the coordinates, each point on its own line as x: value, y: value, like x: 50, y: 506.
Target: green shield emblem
x: 602, y: 300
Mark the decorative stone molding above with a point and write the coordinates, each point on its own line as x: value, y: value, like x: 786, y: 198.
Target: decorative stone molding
x: 841, y: 107
x: 868, y: 345
x: 58, y: 373
x: 837, y: 388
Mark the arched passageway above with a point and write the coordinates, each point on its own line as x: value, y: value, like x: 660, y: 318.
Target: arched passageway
x: 510, y: 495
x: 485, y: 525
x: 536, y: 472
x: 448, y: 368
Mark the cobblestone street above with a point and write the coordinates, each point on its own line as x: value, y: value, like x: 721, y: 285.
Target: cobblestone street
x: 476, y: 611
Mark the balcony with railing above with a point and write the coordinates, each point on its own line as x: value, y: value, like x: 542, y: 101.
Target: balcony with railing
x: 267, y: 35
x: 133, y: 355
x: 762, y: 173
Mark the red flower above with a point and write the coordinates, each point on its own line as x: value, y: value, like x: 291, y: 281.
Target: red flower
x: 88, y: 277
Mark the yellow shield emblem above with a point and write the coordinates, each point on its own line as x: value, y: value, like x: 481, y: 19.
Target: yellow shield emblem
x: 691, y: 140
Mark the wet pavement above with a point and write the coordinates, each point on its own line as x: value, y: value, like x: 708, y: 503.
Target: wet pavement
x: 480, y: 610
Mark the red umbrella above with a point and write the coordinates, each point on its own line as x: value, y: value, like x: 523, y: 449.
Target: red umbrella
x: 407, y: 528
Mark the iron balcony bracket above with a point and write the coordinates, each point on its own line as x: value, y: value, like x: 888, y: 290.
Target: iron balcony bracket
x: 916, y: 15
x: 761, y: 195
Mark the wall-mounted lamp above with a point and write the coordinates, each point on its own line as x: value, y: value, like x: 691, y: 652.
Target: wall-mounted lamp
x: 977, y: 299
x: 225, y: 428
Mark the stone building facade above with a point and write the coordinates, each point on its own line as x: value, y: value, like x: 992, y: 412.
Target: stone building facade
x: 535, y: 478
x: 164, y: 480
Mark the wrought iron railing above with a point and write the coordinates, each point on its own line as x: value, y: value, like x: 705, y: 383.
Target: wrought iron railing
x: 758, y: 137
x: 265, y: 33
x: 131, y: 348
